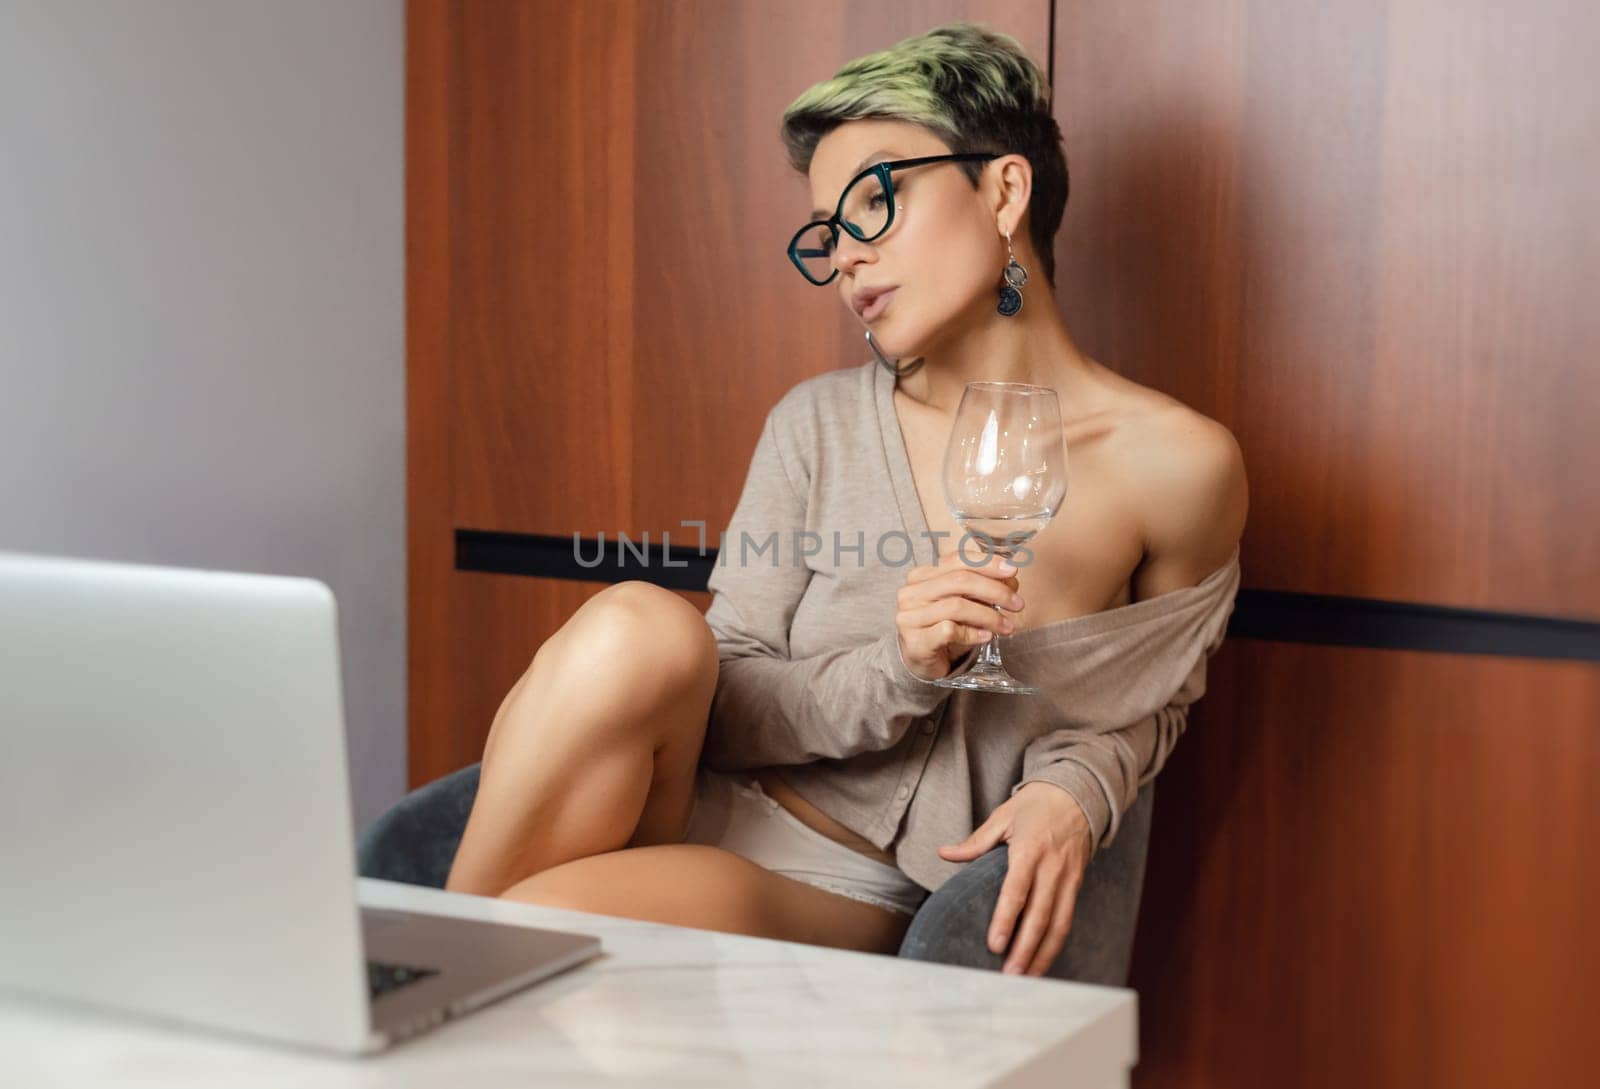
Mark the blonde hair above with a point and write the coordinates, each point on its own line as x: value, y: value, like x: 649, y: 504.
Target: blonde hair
x: 974, y: 88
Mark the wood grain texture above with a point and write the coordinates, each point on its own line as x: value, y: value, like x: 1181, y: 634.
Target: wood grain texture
x: 430, y: 534
x: 542, y: 411
x: 1360, y: 235
x: 1363, y: 236
x: 625, y: 312
x: 603, y: 309
x: 734, y: 326
x: 1374, y: 868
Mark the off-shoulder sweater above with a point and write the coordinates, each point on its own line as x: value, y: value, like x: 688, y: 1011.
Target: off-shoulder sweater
x: 812, y: 683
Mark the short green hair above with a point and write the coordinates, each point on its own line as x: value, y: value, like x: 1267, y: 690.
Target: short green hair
x: 973, y: 87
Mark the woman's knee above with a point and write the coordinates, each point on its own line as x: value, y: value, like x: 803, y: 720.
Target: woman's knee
x: 637, y: 632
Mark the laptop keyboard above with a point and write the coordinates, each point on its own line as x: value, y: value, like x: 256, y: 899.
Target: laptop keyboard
x: 383, y: 977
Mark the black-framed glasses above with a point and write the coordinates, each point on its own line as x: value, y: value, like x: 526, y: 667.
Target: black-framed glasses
x: 866, y: 210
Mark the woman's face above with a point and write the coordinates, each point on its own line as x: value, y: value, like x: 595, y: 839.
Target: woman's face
x: 943, y: 253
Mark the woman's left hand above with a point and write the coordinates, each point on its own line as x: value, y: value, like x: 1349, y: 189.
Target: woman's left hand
x: 1048, y: 845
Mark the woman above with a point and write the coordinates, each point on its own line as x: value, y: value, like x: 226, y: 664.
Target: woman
x: 783, y: 765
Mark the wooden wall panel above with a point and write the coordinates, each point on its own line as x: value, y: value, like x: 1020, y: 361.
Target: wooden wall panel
x: 732, y: 326
x: 624, y: 311
x: 1363, y: 235
x: 1374, y: 868
x: 543, y: 409
x: 1359, y: 235
x: 430, y: 549
x: 602, y: 309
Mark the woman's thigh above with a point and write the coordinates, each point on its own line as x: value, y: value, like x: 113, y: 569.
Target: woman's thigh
x: 692, y: 884
x: 636, y: 664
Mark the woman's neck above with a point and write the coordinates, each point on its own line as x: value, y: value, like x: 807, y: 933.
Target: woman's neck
x: 1038, y: 350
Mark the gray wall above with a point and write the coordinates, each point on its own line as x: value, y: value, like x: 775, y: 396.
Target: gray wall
x: 202, y: 306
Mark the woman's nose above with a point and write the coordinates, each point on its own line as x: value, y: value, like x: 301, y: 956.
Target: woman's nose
x: 850, y: 251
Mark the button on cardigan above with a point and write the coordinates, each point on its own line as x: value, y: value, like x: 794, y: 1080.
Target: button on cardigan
x: 811, y: 681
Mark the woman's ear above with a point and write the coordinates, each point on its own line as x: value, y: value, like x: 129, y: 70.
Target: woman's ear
x: 1013, y: 187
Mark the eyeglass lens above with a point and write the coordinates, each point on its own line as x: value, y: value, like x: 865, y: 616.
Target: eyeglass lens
x: 864, y: 213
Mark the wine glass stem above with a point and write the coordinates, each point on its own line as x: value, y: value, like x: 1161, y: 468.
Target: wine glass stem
x: 989, y: 652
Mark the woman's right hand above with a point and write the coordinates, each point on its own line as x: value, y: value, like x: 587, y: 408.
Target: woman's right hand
x: 947, y: 608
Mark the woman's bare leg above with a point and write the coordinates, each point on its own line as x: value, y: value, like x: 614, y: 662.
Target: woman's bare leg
x: 595, y: 747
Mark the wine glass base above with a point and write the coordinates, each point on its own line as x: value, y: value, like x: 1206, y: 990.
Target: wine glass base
x: 991, y: 679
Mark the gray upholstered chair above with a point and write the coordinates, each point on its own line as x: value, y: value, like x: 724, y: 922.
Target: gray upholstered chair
x: 416, y: 840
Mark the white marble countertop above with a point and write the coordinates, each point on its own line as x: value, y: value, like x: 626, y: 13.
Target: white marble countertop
x: 660, y: 1006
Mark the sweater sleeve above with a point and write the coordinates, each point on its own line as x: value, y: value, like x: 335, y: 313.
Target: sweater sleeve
x: 1103, y: 772
x: 1125, y: 702
x: 770, y: 709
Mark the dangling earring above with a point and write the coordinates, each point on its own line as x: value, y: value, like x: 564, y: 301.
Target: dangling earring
x: 1015, y: 276
x: 891, y: 366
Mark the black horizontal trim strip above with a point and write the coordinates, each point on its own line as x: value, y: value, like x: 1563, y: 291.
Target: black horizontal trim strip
x: 1276, y: 615
x: 1401, y: 625
x: 558, y: 558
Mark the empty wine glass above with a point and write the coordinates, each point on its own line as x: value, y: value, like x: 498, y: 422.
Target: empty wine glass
x: 1005, y: 476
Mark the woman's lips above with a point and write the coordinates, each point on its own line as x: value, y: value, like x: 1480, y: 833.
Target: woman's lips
x: 876, y: 306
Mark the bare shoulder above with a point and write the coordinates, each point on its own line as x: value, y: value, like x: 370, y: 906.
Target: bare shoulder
x: 1193, y: 496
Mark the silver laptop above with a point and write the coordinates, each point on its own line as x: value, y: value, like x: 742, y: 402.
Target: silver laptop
x: 175, y: 821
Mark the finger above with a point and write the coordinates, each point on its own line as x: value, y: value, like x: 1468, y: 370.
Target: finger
x: 1060, y: 926
x: 924, y: 571
x: 990, y: 565
x: 963, y: 611
x: 983, y: 839
x: 974, y: 559
x: 946, y: 560
x: 974, y: 584
x: 921, y: 576
x: 1013, y: 894
x: 1035, y: 917
x: 993, y: 569
x: 957, y: 584
x: 1003, y: 571
x: 927, y: 644
x: 915, y: 590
